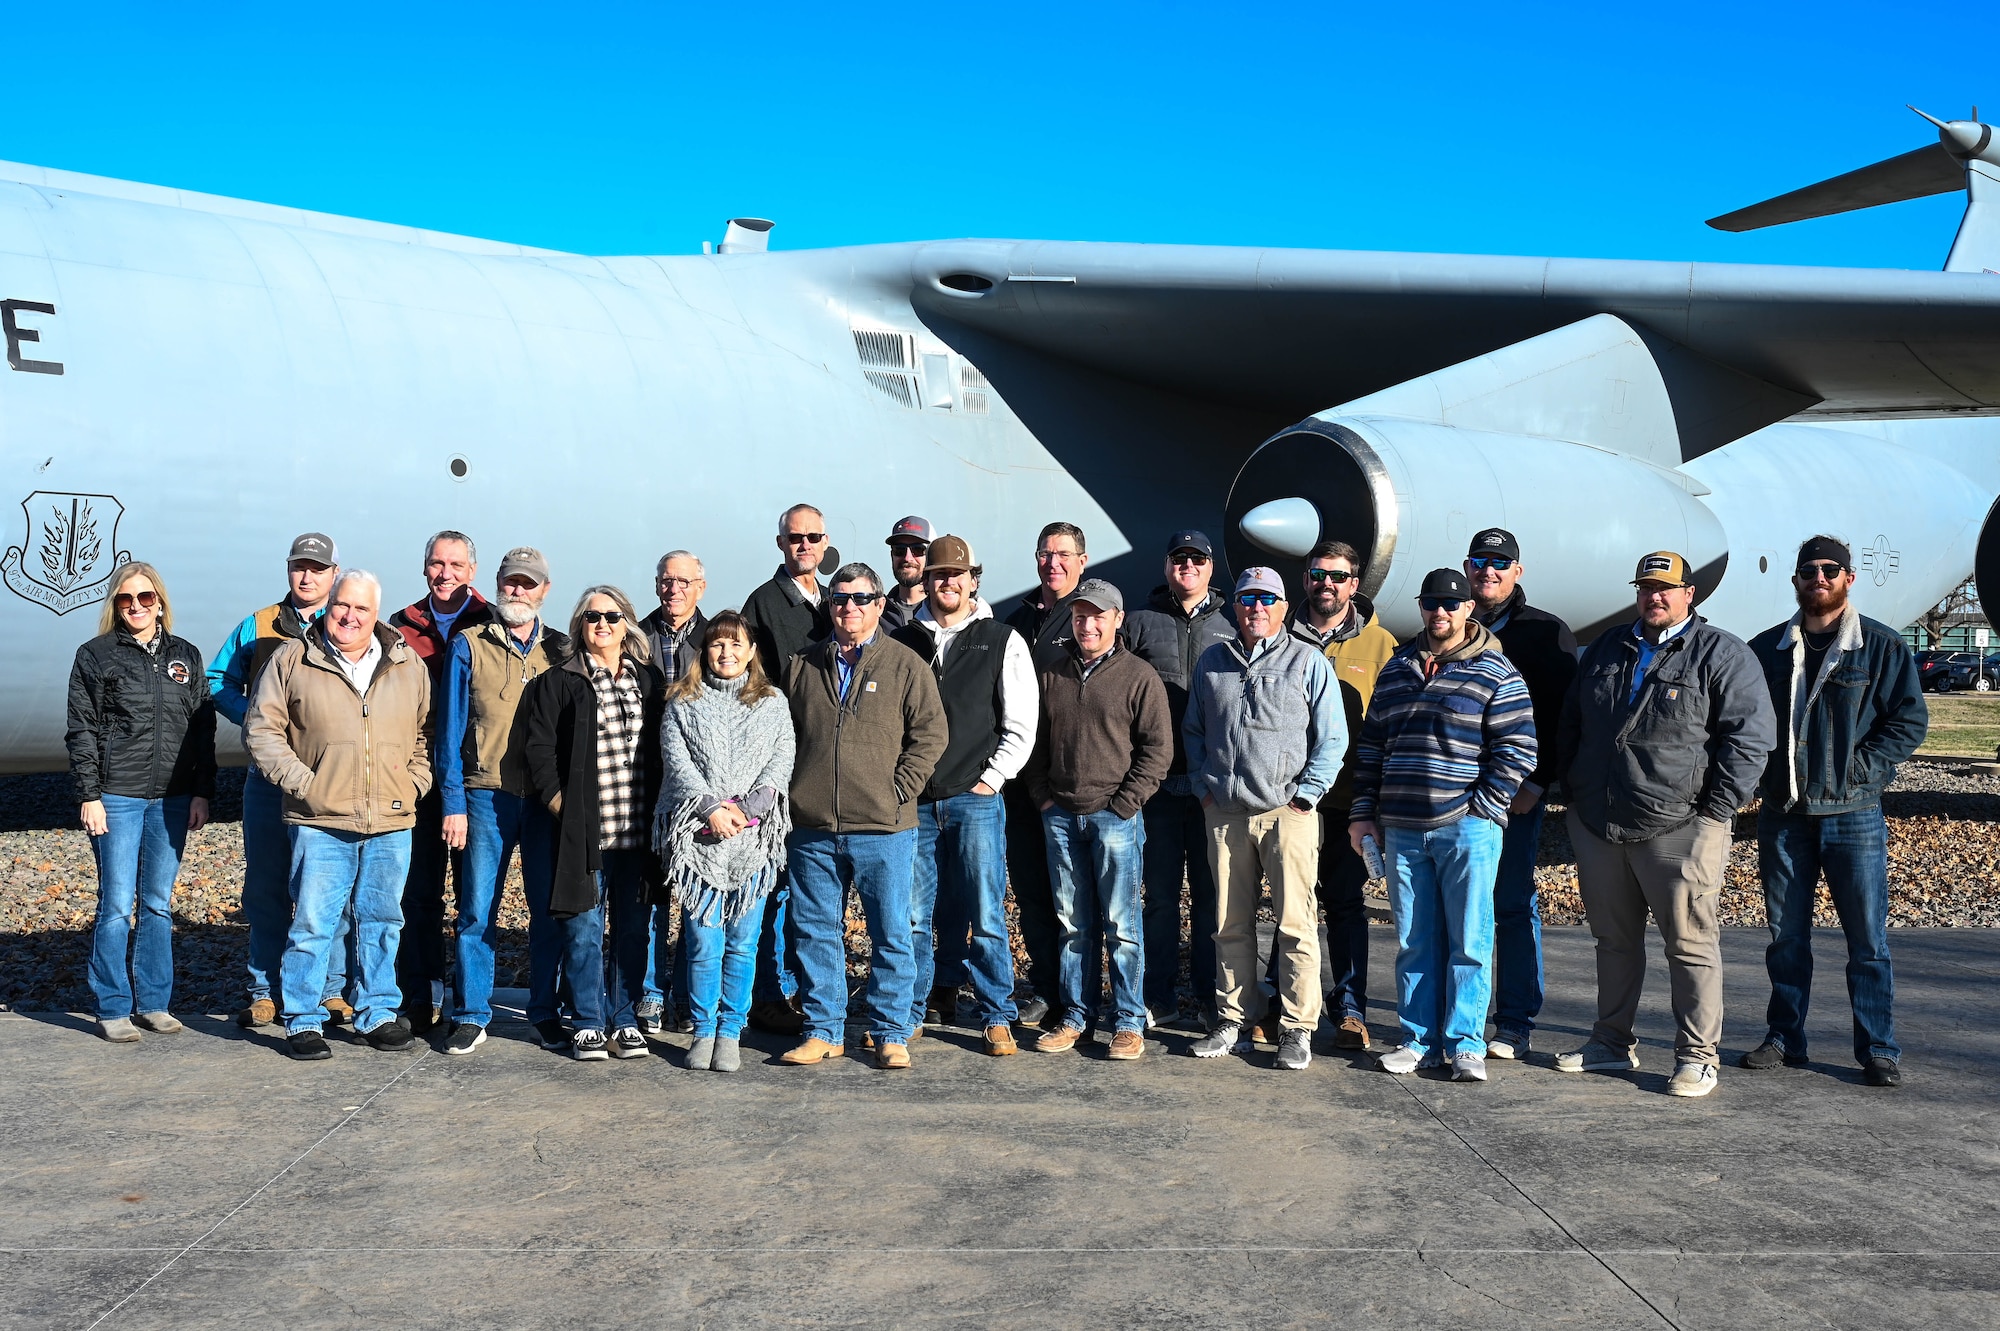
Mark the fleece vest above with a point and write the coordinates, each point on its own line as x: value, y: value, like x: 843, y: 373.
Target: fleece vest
x: 969, y: 686
x: 495, y: 728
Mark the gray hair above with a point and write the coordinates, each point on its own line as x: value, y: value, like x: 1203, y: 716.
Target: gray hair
x: 856, y: 572
x: 360, y: 575
x: 786, y: 516
x: 637, y: 644
x: 660, y: 568
x: 471, y: 551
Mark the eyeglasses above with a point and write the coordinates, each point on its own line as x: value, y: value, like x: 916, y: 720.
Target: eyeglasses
x: 1055, y: 556
x: 841, y: 600
x: 1335, y: 576
x: 1248, y: 599
x: 1448, y: 604
x: 1192, y: 559
x: 803, y: 537
x: 1491, y: 561
x: 1827, y: 572
x: 123, y: 600
x: 670, y: 584
x: 603, y: 616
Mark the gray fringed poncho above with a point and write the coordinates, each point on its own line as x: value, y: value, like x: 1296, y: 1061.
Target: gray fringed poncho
x: 713, y: 748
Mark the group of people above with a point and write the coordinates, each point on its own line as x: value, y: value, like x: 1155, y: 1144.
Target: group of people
x: 692, y: 799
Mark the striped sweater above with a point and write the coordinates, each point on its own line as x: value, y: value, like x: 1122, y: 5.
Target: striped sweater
x: 1433, y: 750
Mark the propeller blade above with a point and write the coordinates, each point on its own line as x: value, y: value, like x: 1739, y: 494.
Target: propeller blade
x: 1914, y: 175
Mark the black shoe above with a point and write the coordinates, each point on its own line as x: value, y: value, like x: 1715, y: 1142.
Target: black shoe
x: 465, y: 1037
x: 1768, y: 1055
x: 391, y: 1037
x: 1882, y: 1072
x: 551, y: 1034
x: 943, y: 1008
x: 1033, y: 1012
x: 422, y: 1021
x: 307, y: 1046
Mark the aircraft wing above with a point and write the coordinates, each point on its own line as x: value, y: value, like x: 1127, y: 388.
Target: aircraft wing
x: 1296, y: 331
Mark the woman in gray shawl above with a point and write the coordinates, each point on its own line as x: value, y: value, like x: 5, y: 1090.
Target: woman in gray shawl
x: 726, y: 747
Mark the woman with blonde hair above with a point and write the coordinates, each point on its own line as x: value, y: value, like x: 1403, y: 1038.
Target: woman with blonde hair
x: 726, y: 748
x: 142, y: 754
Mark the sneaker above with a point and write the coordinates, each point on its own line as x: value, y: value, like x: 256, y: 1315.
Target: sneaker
x: 1127, y: 1045
x: 261, y: 1012
x: 307, y: 1046
x: 1692, y: 1080
x: 1768, y: 1055
x: 648, y: 1015
x: 1596, y: 1056
x: 1510, y: 1045
x: 728, y: 1054
x: 701, y: 1054
x: 551, y: 1034
x: 1403, y: 1060
x: 392, y: 1037
x: 1882, y: 1072
x: 119, y: 1030
x: 1295, y: 1050
x: 683, y: 1022
x: 629, y: 1043
x: 160, y: 1023
x: 1352, y: 1034
x: 1468, y: 1066
x: 465, y: 1037
x: 1058, y: 1040
x: 1226, y: 1038
x: 588, y: 1046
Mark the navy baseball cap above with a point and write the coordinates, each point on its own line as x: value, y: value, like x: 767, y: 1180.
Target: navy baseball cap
x: 1191, y: 540
x: 912, y: 528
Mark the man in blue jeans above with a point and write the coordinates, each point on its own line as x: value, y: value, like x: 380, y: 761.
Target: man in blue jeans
x: 1844, y: 688
x: 1449, y: 737
x: 871, y: 730
x: 1107, y: 741
x: 483, y: 773
x: 340, y: 722
x: 986, y: 683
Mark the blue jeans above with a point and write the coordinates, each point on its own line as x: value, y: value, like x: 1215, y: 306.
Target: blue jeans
x: 622, y: 888
x: 1095, y: 869
x: 334, y: 874
x: 961, y: 879
x: 1517, y: 927
x: 1441, y: 888
x: 420, y: 952
x: 568, y: 951
x: 138, y: 858
x: 1176, y: 850
x: 495, y: 824
x: 1852, y: 849
x: 666, y: 969
x: 267, y: 893
x: 881, y: 866
x: 721, y: 958
x: 778, y: 964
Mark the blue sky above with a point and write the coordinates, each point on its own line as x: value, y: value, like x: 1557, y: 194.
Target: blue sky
x: 639, y: 128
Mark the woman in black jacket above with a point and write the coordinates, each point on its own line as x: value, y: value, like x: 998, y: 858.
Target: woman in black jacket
x: 142, y: 753
x: 593, y: 754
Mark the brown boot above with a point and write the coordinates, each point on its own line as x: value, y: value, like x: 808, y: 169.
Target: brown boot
x: 1127, y: 1044
x: 779, y: 1018
x: 261, y: 1012
x: 1353, y: 1034
x: 814, y: 1050
x: 1268, y: 1030
x: 891, y: 1057
x: 1059, y: 1039
x: 1000, y: 1042
x: 338, y: 1010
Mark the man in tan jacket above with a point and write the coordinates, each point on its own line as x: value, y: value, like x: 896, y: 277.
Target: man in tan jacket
x: 340, y: 722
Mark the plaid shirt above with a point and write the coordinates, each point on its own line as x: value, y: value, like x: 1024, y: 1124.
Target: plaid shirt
x: 619, y: 713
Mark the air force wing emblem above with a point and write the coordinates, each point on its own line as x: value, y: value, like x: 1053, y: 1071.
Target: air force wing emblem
x: 70, y: 548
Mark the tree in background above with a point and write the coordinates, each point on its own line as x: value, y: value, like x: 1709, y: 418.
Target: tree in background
x: 1960, y: 600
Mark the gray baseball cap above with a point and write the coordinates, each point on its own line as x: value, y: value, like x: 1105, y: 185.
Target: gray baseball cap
x: 316, y: 546
x: 1098, y: 592
x: 526, y: 561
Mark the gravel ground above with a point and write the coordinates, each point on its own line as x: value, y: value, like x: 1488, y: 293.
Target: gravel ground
x: 1944, y: 869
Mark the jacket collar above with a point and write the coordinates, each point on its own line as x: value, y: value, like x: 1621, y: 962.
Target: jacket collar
x: 1516, y: 600
x: 980, y: 610
x: 1164, y: 600
x: 1848, y: 638
x: 319, y: 651
x: 418, y: 615
x: 1478, y: 641
x: 791, y: 589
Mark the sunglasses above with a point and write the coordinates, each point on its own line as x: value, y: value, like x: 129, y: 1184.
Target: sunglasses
x: 841, y: 600
x: 1491, y: 561
x: 1448, y: 604
x: 1820, y: 572
x: 804, y: 537
x: 123, y: 600
x: 1336, y: 576
x: 1247, y: 599
x: 603, y: 616
x: 908, y: 548
x: 1191, y: 559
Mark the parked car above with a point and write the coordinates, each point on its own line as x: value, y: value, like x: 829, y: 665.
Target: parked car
x: 1947, y: 672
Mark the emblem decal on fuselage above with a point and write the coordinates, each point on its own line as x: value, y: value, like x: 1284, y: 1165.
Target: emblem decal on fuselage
x: 68, y: 552
x: 1880, y: 560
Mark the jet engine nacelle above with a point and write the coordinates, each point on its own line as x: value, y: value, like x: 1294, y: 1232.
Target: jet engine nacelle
x: 1408, y: 495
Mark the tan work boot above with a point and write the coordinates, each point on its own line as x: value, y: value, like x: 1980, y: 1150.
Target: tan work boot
x: 1059, y: 1039
x: 1000, y: 1042
x: 261, y: 1012
x: 813, y: 1050
x: 1353, y: 1034
x: 1127, y: 1044
x: 338, y: 1010
x: 891, y: 1057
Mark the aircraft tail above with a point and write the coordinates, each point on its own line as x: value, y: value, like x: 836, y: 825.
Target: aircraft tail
x: 1965, y: 157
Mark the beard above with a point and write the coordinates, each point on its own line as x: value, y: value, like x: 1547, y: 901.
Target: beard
x: 1821, y: 599
x: 516, y: 613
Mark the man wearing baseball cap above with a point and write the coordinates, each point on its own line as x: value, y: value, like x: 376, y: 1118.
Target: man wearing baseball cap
x: 1183, y: 618
x: 1106, y: 742
x: 1662, y: 741
x: 489, y: 809
x: 1449, y: 737
x: 310, y: 569
x: 1544, y: 650
x: 1265, y: 732
x: 908, y: 540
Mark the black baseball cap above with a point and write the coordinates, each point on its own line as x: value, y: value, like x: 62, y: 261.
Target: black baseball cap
x: 1494, y: 542
x: 1448, y: 583
x: 1190, y: 540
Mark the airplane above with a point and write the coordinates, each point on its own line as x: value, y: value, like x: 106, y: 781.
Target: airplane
x: 192, y: 380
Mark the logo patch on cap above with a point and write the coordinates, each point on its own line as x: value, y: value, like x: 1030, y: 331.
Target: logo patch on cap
x: 1493, y: 538
x: 1655, y: 564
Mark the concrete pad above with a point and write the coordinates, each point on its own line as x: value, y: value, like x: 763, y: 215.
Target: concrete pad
x: 516, y: 1187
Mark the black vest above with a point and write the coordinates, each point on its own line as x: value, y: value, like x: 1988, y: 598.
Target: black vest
x: 969, y: 685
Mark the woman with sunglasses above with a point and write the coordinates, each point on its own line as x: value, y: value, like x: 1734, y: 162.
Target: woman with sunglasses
x: 593, y: 754
x: 726, y: 748
x: 142, y: 753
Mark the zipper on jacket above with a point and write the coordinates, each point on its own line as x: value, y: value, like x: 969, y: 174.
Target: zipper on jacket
x: 159, y: 714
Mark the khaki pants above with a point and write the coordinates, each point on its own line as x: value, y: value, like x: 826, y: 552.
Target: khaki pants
x: 1678, y: 878
x: 1244, y: 849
